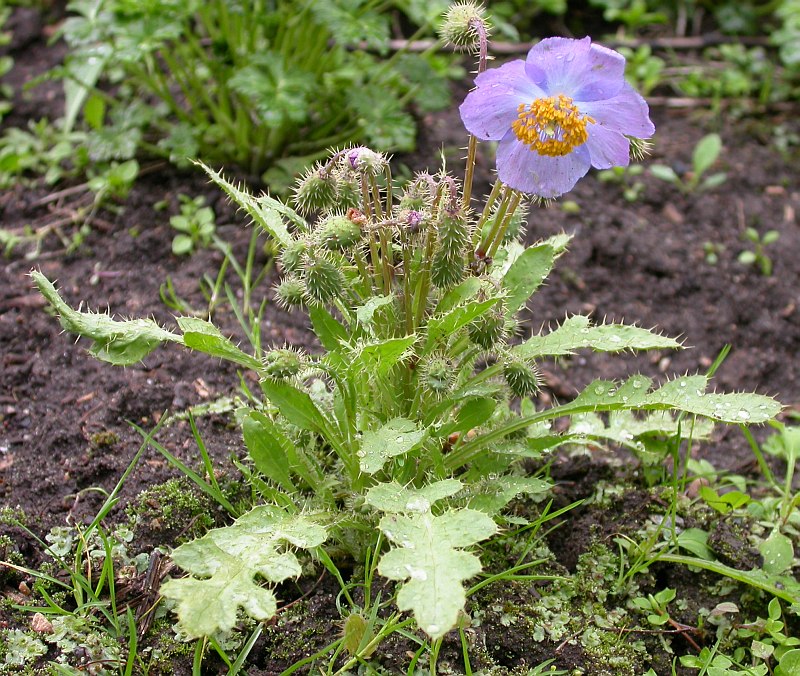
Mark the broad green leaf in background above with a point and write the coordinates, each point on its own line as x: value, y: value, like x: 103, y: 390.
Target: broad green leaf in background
x: 778, y: 553
x: 224, y: 564
x: 203, y: 336
x: 706, y: 153
x: 526, y: 274
x: 394, y: 498
x: 493, y: 494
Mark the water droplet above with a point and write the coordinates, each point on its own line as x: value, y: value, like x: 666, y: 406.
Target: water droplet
x: 700, y: 393
x: 743, y: 414
x: 637, y: 384
x: 361, y: 454
x: 615, y: 339
x: 683, y: 383
x: 599, y: 389
x: 416, y: 573
x: 570, y: 56
x: 624, y: 399
x: 418, y: 504
x: 400, y: 439
x: 432, y: 629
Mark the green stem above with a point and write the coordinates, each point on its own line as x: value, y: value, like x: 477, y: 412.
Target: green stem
x: 501, y: 230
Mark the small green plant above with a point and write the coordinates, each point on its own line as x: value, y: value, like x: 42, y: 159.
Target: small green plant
x: 195, y: 224
x: 655, y: 606
x: 627, y: 178
x: 645, y: 70
x: 758, y: 256
x: 705, y: 154
x: 712, y: 251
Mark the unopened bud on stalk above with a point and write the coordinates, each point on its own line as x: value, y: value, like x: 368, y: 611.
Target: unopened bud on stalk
x: 461, y: 23
x: 365, y: 161
x: 447, y: 269
x: 324, y: 281
x: 283, y: 363
x: 490, y: 328
x: 338, y: 233
x: 291, y: 292
x: 316, y: 190
x: 292, y: 255
x: 522, y: 378
x: 438, y: 374
x: 453, y: 233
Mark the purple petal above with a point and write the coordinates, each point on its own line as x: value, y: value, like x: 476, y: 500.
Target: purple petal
x: 577, y: 68
x: 526, y: 170
x: 491, y: 107
x: 626, y: 113
x: 607, y: 148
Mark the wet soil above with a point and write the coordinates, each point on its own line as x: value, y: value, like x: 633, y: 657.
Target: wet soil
x: 67, y: 421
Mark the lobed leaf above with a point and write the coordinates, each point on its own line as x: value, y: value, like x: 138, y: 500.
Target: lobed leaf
x: 431, y: 565
x: 224, y: 564
x: 394, y: 498
x: 526, y: 274
x: 203, y: 336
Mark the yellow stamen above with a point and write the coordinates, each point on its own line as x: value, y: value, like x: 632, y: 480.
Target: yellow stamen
x: 552, y: 126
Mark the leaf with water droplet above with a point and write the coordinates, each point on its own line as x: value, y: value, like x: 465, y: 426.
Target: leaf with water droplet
x: 396, y: 437
x: 394, y: 498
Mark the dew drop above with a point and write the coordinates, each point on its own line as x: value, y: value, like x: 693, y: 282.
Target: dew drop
x: 615, y: 339
x: 683, y: 383
x: 637, y: 384
x: 399, y: 439
x: 743, y: 414
x: 361, y: 454
x: 599, y: 389
x: 416, y: 573
x: 418, y: 504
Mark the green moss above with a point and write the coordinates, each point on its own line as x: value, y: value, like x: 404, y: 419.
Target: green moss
x: 171, y: 513
x: 104, y: 440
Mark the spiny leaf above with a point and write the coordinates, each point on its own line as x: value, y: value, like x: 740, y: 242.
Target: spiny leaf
x: 394, y: 498
x: 526, y: 274
x: 118, y: 342
x: 578, y: 332
x: 225, y: 563
x: 397, y: 437
x: 443, y: 326
x: 203, y: 336
x: 266, y: 212
x: 380, y: 356
x: 431, y: 565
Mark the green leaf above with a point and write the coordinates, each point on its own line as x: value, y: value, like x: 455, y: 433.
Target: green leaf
x: 431, y: 565
x: 295, y: 405
x: 472, y: 414
x: 330, y: 332
x: 578, y: 332
x: 493, y: 494
x: 94, y: 111
x: 396, y: 437
x: 83, y: 70
x: 225, y: 562
x: 665, y: 173
x: 397, y: 499
x: 789, y: 664
x: 118, y: 342
x: 695, y: 540
x: 526, y: 274
x: 267, y: 213
x: 706, y: 153
x: 365, y: 313
x: 778, y: 553
x: 203, y: 336
x: 380, y: 356
x: 443, y: 326
x: 270, y: 450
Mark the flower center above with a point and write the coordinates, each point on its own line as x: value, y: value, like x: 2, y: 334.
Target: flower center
x: 552, y: 126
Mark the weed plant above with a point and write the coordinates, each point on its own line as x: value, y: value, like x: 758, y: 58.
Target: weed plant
x: 403, y: 441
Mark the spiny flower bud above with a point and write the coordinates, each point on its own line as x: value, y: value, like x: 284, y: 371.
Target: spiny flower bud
x: 292, y: 255
x: 323, y: 280
x: 316, y: 190
x: 349, y: 195
x: 365, y: 161
x: 438, y: 374
x: 490, y: 328
x: 283, y: 363
x: 291, y: 292
x: 338, y: 233
x: 447, y: 269
x: 460, y: 25
x: 453, y: 233
x: 523, y: 379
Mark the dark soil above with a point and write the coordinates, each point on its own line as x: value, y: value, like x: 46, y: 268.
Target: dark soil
x: 66, y: 419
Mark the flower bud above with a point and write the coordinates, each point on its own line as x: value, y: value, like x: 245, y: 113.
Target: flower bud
x: 365, y: 161
x: 438, y: 374
x: 460, y: 25
x: 338, y: 233
x: 292, y: 255
x: 453, y: 234
x: 447, y: 269
x: 523, y: 379
x: 490, y: 328
x: 283, y: 363
x: 317, y: 190
x: 323, y: 280
x: 291, y: 292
